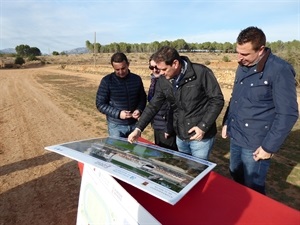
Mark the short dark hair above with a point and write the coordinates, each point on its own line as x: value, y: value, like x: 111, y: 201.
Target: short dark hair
x: 254, y: 35
x: 166, y: 54
x: 151, y: 57
x: 119, y: 57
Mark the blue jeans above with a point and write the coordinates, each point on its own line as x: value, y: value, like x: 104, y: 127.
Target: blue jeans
x: 200, y: 149
x: 116, y: 130
x: 245, y: 170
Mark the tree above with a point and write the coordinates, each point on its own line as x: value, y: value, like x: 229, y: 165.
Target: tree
x: 228, y: 47
x: 26, y: 51
x: 89, y: 46
x: 165, y: 43
x: 97, y: 47
x: 34, y: 51
x: 180, y: 44
x: 124, y: 47
x: 23, y: 50
x: 114, y: 47
x: 94, y: 48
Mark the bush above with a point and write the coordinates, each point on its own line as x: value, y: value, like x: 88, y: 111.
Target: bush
x: 293, y: 57
x: 19, y: 60
x: 32, y: 58
x: 207, y: 62
x: 226, y: 58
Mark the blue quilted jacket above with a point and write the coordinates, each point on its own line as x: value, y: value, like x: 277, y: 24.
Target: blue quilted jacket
x: 116, y: 94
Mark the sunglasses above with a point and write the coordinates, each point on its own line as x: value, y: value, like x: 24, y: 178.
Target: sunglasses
x: 153, y: 67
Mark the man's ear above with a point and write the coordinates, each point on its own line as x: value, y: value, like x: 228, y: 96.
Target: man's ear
x: 261, y: 50
x: 176, y: 63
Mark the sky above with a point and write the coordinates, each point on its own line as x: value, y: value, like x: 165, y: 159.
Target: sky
x: 62, y: 25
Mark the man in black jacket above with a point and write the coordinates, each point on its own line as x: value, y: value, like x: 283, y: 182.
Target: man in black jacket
x: 121, y: 96
x: 195, y: 98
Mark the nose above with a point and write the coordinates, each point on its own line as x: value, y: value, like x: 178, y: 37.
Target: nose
x: 239, y: 57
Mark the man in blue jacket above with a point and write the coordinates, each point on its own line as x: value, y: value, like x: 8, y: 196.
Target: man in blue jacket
x: 262, y: 110
x: 195, y: 97
x: 121, y: 97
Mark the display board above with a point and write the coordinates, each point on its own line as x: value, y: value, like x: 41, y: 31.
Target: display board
x: 163, y: 173
x: 103, y: 200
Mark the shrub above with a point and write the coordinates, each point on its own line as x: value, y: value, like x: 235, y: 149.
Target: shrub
x: 226, y: 58
x: 32, y: 58
x: 207, y: 62
x: 19, y: 60
x: 293, y: 57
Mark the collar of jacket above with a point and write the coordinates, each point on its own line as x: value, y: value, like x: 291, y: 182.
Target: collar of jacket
x: 189, y: 73
x: 154, y: 77
x: 122, y: 78
x: 256, y: 69
x: 261, y: 64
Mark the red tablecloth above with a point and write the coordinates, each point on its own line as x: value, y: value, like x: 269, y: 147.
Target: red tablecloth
x: 216, y: 200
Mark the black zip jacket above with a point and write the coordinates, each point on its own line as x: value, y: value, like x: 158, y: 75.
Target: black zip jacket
x: 197, y: 101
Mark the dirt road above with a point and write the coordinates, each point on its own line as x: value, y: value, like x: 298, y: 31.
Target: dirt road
x: 37, y: 187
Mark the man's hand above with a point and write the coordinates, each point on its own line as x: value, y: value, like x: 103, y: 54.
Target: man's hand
x: 261, y: 154
x: 224, y: 131
x: 199, y: 134
x: 125, y: 114
x: 134, y: 135
x: 136, y: 114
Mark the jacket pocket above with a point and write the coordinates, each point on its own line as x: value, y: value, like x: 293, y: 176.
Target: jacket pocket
x: 187, y: 125
x: 255, y: 129
x: 261, y: 90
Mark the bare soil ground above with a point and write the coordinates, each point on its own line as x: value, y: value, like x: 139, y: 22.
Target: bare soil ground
x: 37, y: 186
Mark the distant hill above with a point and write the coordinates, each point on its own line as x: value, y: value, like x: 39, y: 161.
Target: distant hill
x: 80, y: 50
x: 8, y: 51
